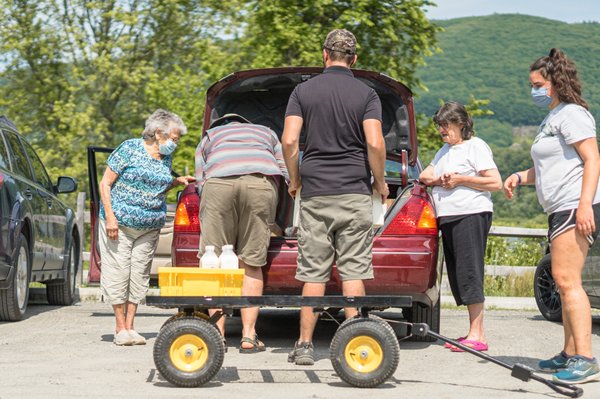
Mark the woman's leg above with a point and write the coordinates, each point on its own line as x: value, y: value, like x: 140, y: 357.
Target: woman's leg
x: 142, y: 252
x: 568, y: 252
x: 476, y: 322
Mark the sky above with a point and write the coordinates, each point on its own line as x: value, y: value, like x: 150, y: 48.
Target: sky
x: 571, y: 11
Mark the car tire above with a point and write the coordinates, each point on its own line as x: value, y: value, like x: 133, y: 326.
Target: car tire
x: 365, y: 352
x: 545, y: 291
x: 62, y: 293
x: 420, y: 313
x: 13, y: 300
x: 188, y: 351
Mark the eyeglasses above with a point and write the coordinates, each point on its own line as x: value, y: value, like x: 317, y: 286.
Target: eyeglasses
x: 441, y: 125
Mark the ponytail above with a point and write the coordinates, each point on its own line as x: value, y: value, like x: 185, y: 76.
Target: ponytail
x: 562, y: 73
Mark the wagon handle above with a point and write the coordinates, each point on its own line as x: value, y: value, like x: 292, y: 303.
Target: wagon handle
x: 519, y: 371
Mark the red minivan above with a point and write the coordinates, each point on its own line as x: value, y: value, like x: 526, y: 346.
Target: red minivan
x: 407, y: 256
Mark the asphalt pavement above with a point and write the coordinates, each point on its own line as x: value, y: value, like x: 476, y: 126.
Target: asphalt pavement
x: 67, y: 352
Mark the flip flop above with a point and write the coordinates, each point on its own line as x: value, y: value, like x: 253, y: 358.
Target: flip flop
x: 449, y: 345
x: 478, y: 346
x: 257, y: 345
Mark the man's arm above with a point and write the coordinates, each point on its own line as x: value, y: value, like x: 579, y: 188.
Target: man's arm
x: 290, y: 144
x: 376, y: 154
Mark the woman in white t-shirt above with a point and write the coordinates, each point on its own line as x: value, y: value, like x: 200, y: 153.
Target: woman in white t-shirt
x: 566, y: 171
x: 462, y: 175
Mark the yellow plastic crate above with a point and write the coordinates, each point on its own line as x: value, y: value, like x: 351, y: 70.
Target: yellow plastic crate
x: 190, y: 281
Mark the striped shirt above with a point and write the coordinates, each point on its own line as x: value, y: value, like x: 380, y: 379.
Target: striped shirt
x: 239, y: 149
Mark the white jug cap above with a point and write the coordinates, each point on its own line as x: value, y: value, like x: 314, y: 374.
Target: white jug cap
x: 209, y: 247
x: 228, y: 246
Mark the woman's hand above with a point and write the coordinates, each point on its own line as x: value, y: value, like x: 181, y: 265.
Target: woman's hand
x: 585, y: 220
x: 510, y: 185
x: 112, y: 228
x: 451, y: 180
x: 183, y: 180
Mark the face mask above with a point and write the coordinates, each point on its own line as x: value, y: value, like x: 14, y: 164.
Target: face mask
x: 167, y: 148
x: 540, y: 97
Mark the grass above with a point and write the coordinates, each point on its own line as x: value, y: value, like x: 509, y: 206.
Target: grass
x: 511, y: 285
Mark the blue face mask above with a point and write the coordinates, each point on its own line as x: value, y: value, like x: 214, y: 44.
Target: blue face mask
x: 540, y: 97
x: 167, y: 148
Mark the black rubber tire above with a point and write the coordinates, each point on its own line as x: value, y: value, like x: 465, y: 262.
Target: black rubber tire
x: 420, y: 313
x: 545, y: 291
x: 177, y: 328
x: 13, y: 300
x: 62, y: 293
x: 372, y: 328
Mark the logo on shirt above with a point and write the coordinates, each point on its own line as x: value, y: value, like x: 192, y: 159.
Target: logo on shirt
x: 545, y: 130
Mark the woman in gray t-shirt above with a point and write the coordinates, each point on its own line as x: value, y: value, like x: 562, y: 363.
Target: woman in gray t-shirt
x: 565, y: 173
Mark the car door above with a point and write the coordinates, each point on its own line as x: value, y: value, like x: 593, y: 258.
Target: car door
x: 56, y: 218
x: 24, y: 178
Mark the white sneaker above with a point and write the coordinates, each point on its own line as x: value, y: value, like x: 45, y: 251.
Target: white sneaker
x: 136, y: 338
x: 123, y: 338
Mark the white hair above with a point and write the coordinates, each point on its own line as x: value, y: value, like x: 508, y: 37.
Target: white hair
x: 162, y: 120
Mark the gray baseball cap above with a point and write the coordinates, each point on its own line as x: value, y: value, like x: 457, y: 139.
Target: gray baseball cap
x: 340, y: 40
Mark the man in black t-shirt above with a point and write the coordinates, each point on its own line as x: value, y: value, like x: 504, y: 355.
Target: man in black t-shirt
x: 344, y: 150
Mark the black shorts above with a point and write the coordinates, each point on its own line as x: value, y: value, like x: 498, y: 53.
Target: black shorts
x: 559, y: 222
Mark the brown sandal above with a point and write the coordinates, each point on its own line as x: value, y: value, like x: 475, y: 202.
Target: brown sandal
x: 257, y: 345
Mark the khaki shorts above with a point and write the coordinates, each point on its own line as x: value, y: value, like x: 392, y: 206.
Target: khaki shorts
x: 126, y: 263
x: 238, y: 210
x: 335, y: 228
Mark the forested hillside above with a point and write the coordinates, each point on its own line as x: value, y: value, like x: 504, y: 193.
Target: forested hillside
x: 488, y: 58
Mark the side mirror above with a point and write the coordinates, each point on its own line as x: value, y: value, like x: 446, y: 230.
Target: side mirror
x: 65, y: 184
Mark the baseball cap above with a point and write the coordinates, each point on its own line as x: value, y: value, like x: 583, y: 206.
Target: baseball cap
x: 340, y: 40
x: 228, y: 118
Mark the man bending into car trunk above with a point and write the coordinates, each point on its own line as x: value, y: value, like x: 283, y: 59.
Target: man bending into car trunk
x: 344, y: 149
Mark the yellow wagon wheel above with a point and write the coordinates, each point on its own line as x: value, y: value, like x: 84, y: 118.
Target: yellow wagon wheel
x: 364, y: 351
x: 363, y: 354
x: 188, y: 351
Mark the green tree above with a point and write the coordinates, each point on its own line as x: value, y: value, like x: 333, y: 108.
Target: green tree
x: 393, y: 36
x: 81, y: 72
x: 86, y: 72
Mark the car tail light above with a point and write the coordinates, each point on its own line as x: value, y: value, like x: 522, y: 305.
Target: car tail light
x: 186, y: 215
x: 416, y: 217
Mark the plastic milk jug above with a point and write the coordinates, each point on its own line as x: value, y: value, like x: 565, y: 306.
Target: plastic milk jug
x: 209, y: 260
x: 228, y: 258
x: 379, y: 210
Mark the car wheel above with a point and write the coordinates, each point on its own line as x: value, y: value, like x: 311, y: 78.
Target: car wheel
x: 420, y: 313
x: 62, y: 293
x: 545, y: 291
x: 365, y: 352
x: 188, y: 351
x: 13, y: 300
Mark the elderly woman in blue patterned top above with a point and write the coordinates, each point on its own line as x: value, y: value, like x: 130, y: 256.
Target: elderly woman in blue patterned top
x: 133, y: 210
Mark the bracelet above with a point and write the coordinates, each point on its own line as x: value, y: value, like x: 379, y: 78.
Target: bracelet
x: 518, y: 177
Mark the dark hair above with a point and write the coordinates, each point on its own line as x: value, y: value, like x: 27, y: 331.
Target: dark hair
x: 335, y: 55
x: 454, y: 112
x: 562, y: 73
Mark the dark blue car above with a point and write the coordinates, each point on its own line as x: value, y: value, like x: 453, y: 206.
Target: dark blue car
x: 39, y: 240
